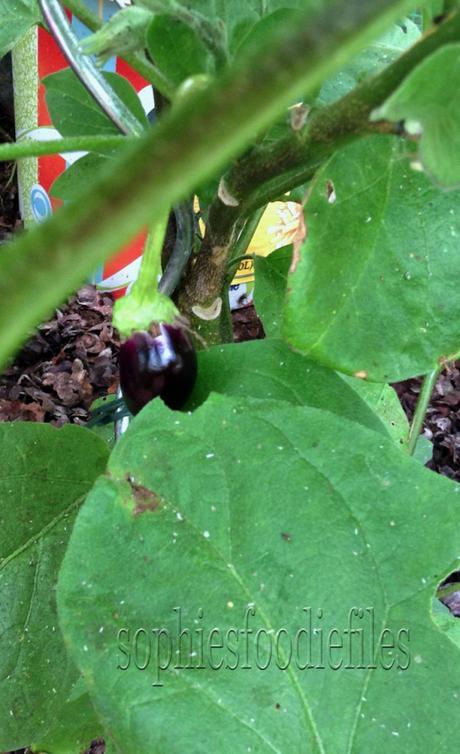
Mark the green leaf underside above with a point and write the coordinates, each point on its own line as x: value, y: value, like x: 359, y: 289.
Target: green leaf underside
x: 236, y: 505
x: 428, y: 101
x: 45, y: 474
x: 270, y: 369
x: 73, y: 110
x: 17, y: 17
x: 376, y: 288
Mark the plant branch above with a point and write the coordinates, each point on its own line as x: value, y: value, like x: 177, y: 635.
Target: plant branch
x: 164, y: 165
x: 294, y: 159
x: 428, y: 385
x: 33, y: 148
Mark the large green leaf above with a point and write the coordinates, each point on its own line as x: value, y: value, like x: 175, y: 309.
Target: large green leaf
x: 45, y: 474
x: 429, y: 104
x: 177, y: 49
x: 269, y: 369
x: 255, y: 512
x: 16, y: 18
x: 73, y: 110
x: 376, y: 289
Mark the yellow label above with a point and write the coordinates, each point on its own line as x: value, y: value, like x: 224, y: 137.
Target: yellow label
x: 280, y: 225
x: 245, y: 272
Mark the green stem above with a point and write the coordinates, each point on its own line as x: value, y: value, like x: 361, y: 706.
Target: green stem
x: 151, y: 73
x: 244, y: 239
x: 84, y: 14
x: 32, y: 148
x: 146, y: 286
x: 448, y: 589
x: 238, y: 254
x: 136, y: 60
x: 144, y: 304
x: 428, y: 385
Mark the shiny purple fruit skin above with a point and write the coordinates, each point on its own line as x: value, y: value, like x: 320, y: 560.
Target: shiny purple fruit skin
x: 161, y: 366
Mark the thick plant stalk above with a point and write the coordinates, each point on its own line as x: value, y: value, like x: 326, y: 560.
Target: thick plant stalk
x: 292, y: 160
x: 428, y: 385
x: 267, y: 172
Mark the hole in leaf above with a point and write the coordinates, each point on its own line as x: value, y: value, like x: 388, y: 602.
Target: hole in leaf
x: 448, y: 593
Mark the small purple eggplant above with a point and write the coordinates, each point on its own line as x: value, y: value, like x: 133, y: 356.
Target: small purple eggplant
x: 161, y: 365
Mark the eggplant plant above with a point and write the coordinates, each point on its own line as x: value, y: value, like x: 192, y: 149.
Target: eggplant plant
x: 256, y: 572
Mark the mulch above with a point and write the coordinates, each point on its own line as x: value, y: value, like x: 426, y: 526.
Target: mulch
x: 70, y: 361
